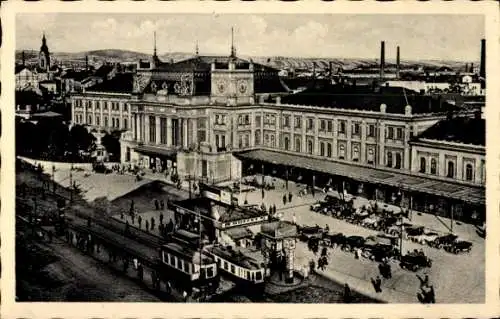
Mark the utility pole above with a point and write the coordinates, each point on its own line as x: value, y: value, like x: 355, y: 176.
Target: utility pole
x: 71, y: 183
x: 189, y: 181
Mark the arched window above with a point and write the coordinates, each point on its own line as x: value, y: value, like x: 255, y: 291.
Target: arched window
x: 341, y: 151
x: 257, y: 137
x: 310, y: 147
x: 468, y: 172
x: 398, y: 161
x: 389, y: 159
x: 297, y: 144
x: 451, y: 169
x: 423, y: 165
x: 371, y: 156
x: 322, y: 149
x: 97, y: 120
x: 90, y: 120
x: 125, y: 124
x: 266, y: 139
x: 433, y: 166
x: 286, y: 143
x: 329, y: 149
x: 355, y: 153
x: 273, y: 143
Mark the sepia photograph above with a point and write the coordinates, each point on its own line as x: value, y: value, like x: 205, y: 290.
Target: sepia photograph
x: 187, y: 157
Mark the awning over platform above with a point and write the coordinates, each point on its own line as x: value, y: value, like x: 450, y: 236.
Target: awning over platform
x: 156, y: 151
x: 470, y: 194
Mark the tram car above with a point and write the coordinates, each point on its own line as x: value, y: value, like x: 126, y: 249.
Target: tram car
x: 189, y: 268
x: 243, y: 269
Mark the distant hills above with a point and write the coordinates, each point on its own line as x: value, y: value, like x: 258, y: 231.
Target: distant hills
x: 117, y: 55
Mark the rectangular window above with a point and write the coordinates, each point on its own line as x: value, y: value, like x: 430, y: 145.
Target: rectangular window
x: 310, y: 124
x: 163, y: 130
x: 258, y: 120
x: 342, y: 127
x: 152, y: 129
x: 322, y: 126
x: 371, y: 130
x: 186, y: 267
x: 247, y: 119
x: 390, y: 133
x: 330, y: 126
x: 223, y: 141
x: 125, y: 124
x: 233, y: 269
x: 225, y: 265
x: 298, y: 122
x: 399, y: 133
x: 356, y: 129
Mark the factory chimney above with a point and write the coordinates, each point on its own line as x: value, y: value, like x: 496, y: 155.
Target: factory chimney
x: 471, y: 68
x: 382, y: 60
x: 398, y: 62
x: 482, y: 68
x: 24, y: 60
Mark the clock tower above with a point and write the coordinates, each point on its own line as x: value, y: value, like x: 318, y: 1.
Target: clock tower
x: 232, y: 83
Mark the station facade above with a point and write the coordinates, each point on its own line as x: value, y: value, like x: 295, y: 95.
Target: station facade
x: 221, y: 118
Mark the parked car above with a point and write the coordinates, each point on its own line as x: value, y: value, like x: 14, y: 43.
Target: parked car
x: 308, y: 232
x: 333, y: 239
x: 353, y: 242
x: 427, y: 238
x: 459, y: 246
x: 445, y: 240
x: 413, y: 232
x: 415, y: 261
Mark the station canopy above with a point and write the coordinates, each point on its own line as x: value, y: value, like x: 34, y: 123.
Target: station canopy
x: 466, y: 193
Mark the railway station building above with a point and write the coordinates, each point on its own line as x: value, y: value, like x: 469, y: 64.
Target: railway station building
x: 219, y: 118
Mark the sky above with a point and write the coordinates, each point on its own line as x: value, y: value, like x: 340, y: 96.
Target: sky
x: 441, y: 37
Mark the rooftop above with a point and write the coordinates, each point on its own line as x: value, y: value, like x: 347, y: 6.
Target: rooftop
x: 185, y: 253
x: 237, y: 233
x: 367, y: 98
x: 238, y: 255
x: 462, y: 129
x: 279, y: 229
x: 121, y: 83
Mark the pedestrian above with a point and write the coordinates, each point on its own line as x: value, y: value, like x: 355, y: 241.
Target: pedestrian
x: 136, y: 263
x: 294, y: 219
x: 121, y: 215
x: 139, y: 220
x: 356, y: 254
x: 423, y: 281
x: 290, y: 196
x: 432, y: 296
x: 274, y: 208
x: 378, y: 281
x: 162, y: 204
x: 284, y: 200
x: 184, y: 295
x: 347, y: 293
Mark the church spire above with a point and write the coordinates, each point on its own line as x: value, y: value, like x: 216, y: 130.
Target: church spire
x: 233, y: 49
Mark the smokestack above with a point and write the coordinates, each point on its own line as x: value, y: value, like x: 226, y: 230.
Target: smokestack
x: 472, y: 68
x: 330, y: 66
x: 24, y: 59
x: 397, y: 62
x: 482, y: 68
x: 382, y: 60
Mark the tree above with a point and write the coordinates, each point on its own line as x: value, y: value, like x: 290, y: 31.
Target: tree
x: 112, y: 145
x: 81, y: 139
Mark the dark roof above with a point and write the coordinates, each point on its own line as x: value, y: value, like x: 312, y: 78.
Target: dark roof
x: 461, y: 129
x: 203, y: 63
x: 20, y: 67
x: 28, y: 97
x: 237, y: 233
x: 104, y: 70
x: 235, y: 256
x: 75, y: 75
x: 120, y: 83
x: 368, y: 98
x: 279, y: 229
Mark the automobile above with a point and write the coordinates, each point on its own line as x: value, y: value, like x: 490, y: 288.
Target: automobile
x: 412, y: 232
x: 353, y: 242
x: 317, y: 207
x: 333, y: 239
x: 445, y: 240
x: 459, y: 246
x: 415, y: 261
x: 370, y: 222
x: 309, y: 232
x: 427, y: 238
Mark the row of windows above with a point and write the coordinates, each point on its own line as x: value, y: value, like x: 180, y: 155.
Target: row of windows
x: 450, y: 169
x: 242, y: 273
x: 177, y: 263
x: 244, y: 140
x: 114, y: 106
x: 115, y: 121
